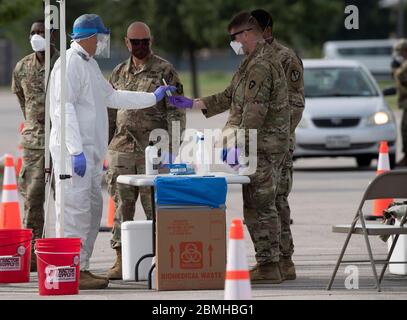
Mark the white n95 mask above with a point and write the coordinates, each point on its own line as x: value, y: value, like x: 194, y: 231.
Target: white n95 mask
x: 237, y: 48
x: 38, y: 43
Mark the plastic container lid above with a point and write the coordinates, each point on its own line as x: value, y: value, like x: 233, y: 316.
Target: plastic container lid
x: 136, y: 225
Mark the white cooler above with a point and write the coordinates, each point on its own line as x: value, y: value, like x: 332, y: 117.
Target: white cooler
x: 136, y: 242
x: 399, y: 254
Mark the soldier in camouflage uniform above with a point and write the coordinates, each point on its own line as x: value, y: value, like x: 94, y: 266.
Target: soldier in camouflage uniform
x: 28, y: 84
x: 130, y: 129
x: 258, y: 99
x: 400, y: 76
x: 294, y: 72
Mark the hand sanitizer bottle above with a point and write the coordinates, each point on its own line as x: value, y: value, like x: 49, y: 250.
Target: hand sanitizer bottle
x: 202, y: 167
x: 152, y: 160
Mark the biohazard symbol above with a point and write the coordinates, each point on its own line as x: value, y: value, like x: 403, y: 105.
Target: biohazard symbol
x: 191, y: 255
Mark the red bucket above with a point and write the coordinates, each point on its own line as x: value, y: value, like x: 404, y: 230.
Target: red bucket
x: 15, y: 255
x: 58, y: 266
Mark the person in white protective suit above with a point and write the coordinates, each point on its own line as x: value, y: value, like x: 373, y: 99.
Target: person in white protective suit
x: 87, y: 96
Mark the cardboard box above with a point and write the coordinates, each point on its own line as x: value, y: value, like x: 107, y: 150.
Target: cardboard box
x: 191, y: 248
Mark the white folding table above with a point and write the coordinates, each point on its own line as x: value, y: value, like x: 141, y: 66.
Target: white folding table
x: 148, y: 181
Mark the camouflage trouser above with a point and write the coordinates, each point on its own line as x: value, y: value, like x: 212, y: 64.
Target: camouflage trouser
x: 260, y: 213
x: 404, y: 131
x: 283, y: 207
x: 32, y: 188
x: 125, y: 197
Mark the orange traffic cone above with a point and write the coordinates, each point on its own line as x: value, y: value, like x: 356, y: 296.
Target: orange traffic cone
x: 383, y: 166
x: 110, y: 208
x: 110, y: 216
x: 10, y: 207
x: 110, y: 213
x: 237, y: 285
x: 19, y: 162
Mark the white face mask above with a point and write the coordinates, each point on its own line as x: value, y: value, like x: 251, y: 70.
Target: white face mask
x: 237, y: 48
x: 38, y: 43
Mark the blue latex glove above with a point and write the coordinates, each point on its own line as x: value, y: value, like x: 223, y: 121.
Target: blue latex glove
x: 79, y: 164
x: 162, y: 91
x: 231, y: 156
x: 181, y: 102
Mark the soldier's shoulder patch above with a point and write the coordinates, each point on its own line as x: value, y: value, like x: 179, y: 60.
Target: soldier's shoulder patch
x: 295, y: 75
x: 252, y: 84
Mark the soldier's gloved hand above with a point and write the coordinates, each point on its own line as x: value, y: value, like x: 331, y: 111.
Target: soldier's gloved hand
x: 79, y: 164
x: 181, y: 102
x: 161, y: 92
x: 231, y: 157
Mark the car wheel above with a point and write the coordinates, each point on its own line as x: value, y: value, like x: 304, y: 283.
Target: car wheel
x: 364, y: 161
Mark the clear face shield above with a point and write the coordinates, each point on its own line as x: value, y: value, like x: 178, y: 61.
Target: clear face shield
x: 103, y: 46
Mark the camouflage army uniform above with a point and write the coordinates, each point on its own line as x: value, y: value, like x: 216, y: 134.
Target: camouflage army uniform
x: 294, y: 72
x: 258, y: 99
x: 401, y: 81
x: 28, y: 85
x: 129, y: 134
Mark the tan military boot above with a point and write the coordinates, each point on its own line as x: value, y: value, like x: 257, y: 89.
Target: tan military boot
x: 99, y: 277
x: 87, y: 281
x: 266, y: 273
x: 287, y: 268
x: 115, y: 272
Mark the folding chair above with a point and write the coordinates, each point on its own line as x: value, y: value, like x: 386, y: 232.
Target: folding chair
x: 392, y: 184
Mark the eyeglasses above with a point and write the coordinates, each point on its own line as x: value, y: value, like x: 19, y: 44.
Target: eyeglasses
x: 233, y: 36
x: 137, y: 42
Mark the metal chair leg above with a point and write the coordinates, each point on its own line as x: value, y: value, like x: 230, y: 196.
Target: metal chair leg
x: 369, y: 250
x: 338, y: 263
x: 393, y: 246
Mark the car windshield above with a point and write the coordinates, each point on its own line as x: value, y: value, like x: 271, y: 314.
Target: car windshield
x: 338, y: 82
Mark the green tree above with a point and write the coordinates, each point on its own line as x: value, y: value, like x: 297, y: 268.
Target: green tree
x: 379, y: 23
x: 178, y: 26
x: 16, y: 17
x: 12, y: 10
x: 186, y: 26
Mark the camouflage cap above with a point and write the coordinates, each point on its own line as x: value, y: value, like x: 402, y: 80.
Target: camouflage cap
x: 400, y: 46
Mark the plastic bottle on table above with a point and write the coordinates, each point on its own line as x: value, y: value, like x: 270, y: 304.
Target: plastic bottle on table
x: 152, y: 160
x: 202, y: 168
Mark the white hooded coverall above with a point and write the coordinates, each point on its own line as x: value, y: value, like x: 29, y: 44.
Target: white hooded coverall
x: 88, y: 95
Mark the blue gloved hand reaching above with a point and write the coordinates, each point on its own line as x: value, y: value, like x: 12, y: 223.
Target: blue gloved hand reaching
x: 79, y: 164
x: 231, y: 157
x: 181, y: 102
x: 162, y: 91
